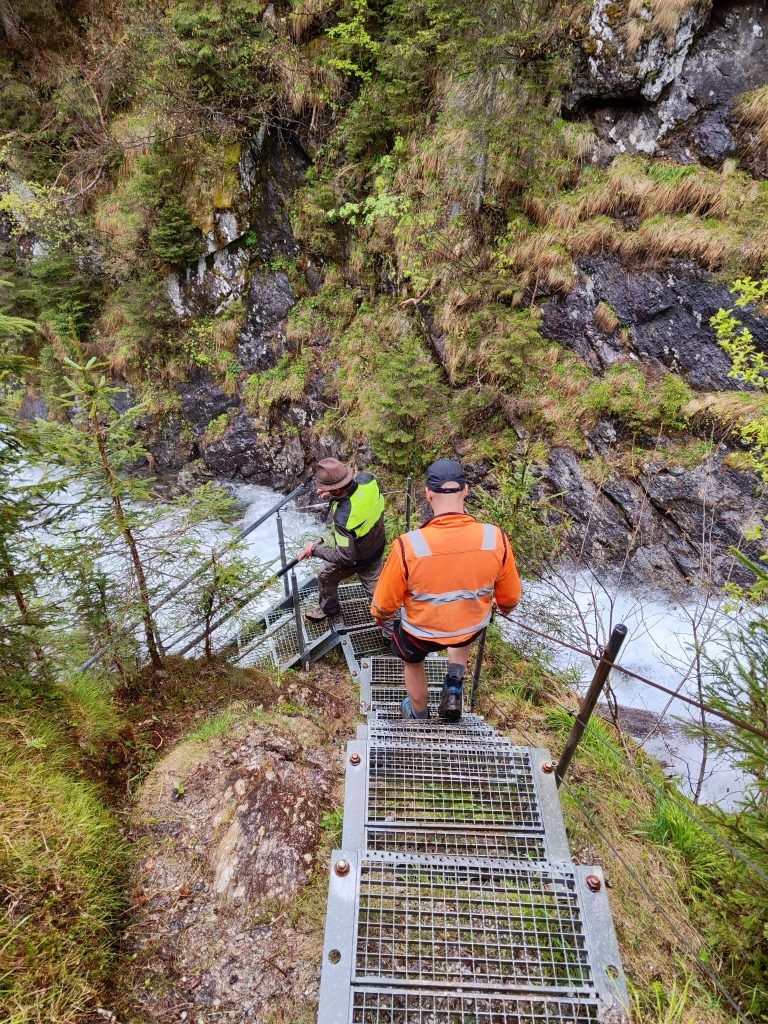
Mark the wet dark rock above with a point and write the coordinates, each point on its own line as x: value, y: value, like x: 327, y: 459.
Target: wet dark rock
x: 249, y: 451
x: 262, y: 340
x: 33, y: 407
x: 203, y: 401
x: 665, y: 316
x: 172, y: 444
x: 670, y: 524
x: 691, y: 119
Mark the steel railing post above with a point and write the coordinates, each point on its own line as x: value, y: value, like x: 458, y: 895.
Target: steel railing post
x: 281, y: 542
x: 476, y: 672
x: 408, y: 503
x: 299, y: 624
x: 604, y: 666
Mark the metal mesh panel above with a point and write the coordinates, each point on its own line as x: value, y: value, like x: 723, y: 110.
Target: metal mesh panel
x: 367, y: 641
x: 374, y: 1006
x: 466, y: 843
x: 355, y: 606
x: 464, y: 924
x: 471, y: 729
x: 489, y: 785
x: 282, y: 646
x: 390, y: 670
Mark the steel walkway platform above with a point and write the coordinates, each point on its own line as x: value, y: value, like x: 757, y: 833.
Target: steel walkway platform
x: 273, y: 639
x: 454, y: 898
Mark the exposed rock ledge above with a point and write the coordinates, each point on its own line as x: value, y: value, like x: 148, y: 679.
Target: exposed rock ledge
x: 231, y: 828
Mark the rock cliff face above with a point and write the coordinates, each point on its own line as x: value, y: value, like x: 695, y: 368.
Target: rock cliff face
x: 663, y: 319
x: 665, y: 525
x: 247, y: 252
x: 667, y: 89
x: 619, y: 67
x: 675, y: 95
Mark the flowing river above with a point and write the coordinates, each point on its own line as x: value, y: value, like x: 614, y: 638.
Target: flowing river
x: 571, y: 605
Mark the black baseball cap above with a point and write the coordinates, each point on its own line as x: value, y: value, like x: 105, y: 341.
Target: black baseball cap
x: 445, y: 471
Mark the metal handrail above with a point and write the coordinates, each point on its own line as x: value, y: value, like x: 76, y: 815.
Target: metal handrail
x: 175, y: 591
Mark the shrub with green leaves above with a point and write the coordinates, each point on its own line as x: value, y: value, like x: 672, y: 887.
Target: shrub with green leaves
x: 641, y: 405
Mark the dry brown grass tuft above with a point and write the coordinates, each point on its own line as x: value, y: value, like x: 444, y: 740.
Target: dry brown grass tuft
x: 752, y: 111
x: 598, y: 235
x: 725, y: 410
x: 634, y: 34
x: 605, y: 318
x: 304, y: 16
x: 662, y: 238
x: 540, y: 258
x: 666, y: 15
x: 636, y: 186
x: 701, y: 192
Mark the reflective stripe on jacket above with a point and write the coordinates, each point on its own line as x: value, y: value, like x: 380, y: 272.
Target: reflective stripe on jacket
x: 357, y: 531
x: 445, y: 577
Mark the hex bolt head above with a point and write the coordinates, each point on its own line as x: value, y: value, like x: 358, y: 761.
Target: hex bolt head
x: 547, y: 767
x: 593, y: 883
x: 354, y: 759
x: 341, y: 867
x: 365, y: 664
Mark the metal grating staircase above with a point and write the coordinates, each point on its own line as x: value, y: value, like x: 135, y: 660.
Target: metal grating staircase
x: 272, y: 639
x: 455, y: 899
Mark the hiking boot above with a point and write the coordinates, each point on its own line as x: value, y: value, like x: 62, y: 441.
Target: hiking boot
x: 451, y: 702
x: 316, y: 615
x: 452, y: 696
x: 406, y: 710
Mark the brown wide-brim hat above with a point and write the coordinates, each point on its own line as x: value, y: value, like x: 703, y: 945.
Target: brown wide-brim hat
x: 330, y: 474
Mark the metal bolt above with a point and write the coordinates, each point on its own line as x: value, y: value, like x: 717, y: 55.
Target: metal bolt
x: 365, y: 664
x: 341, y: 867
x: 354, y: 671
x: 354, y: 759
x: 547, y: 767
x: 593, y: 883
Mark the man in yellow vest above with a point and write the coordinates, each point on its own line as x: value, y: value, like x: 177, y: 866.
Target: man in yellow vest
x: 444, y: 578
x: 357, y: 529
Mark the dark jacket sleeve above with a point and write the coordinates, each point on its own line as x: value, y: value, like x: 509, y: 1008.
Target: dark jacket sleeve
x: 336, y: 555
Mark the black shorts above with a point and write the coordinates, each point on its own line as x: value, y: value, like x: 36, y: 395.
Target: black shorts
x: 414, y: 650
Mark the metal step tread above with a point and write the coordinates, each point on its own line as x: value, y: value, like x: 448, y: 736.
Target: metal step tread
x: 501, y: 927
x: 498, y: 794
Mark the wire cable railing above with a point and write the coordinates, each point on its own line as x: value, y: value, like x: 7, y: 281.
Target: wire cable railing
x: 673, y: 926
x: 734, y: 720
x: 660, y: 791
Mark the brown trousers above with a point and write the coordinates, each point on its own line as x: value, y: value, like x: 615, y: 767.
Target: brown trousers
x: 330, y: 576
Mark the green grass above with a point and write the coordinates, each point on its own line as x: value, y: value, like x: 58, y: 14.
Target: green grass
x: 215, y: 725
x: 61, y: 866
x: 599, y: 739
x: 671, y: 827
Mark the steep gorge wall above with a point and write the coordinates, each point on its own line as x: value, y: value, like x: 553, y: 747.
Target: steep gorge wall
x: 667, y: 505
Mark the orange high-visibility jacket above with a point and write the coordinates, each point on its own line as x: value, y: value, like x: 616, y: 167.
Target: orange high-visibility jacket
x: 444, y: 577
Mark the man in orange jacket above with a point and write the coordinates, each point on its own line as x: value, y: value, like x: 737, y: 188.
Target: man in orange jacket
x: 444, y: 578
